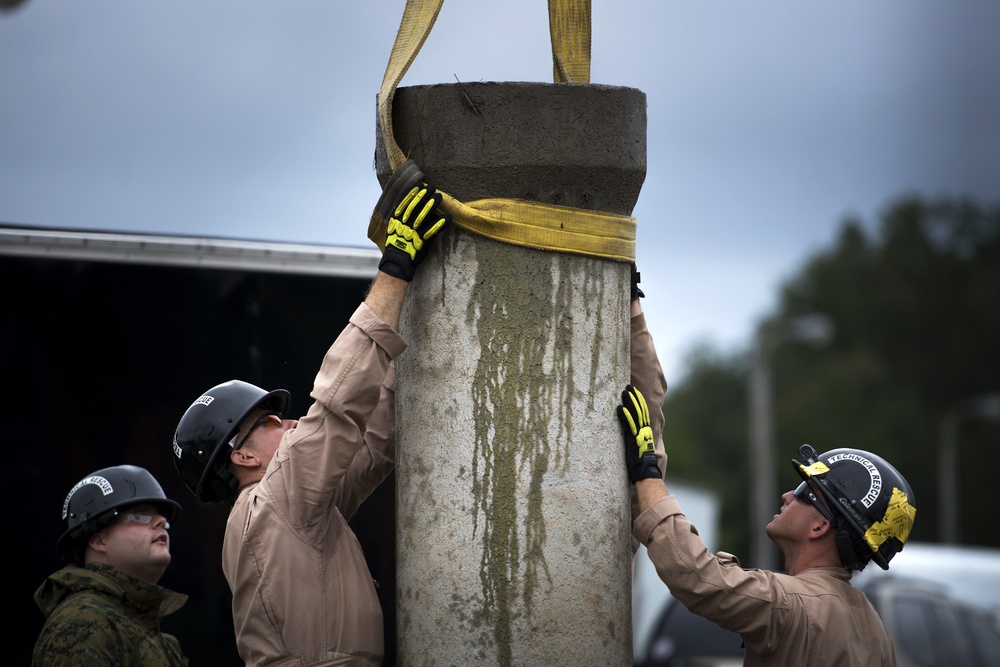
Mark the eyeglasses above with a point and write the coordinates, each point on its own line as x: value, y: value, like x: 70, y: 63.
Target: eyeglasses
x: 805, y: 492
x: 273, y: 417
x: 140, y: 518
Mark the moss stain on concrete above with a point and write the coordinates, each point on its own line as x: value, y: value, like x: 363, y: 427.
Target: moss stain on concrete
x: 520, y: 314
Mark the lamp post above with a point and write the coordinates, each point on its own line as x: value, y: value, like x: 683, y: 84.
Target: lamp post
x: 985, y: 406
x: 815, y: 330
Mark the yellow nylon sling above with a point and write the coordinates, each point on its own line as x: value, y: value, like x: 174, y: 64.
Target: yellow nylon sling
x: 530, y: 224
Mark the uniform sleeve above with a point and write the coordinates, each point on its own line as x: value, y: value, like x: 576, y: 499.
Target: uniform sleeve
x: 710, y: 585
x: 376, y: 457
x: 311, y: 464
x: 79, y: 636
x: 648, y: 376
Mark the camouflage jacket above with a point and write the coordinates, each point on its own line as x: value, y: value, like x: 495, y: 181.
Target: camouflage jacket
x: 102, y: 616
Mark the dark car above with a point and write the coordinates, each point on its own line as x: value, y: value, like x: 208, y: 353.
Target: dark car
x: 940, y: 603
x: 932, y: 628
x: 681, y: 638
x: 929, y: 626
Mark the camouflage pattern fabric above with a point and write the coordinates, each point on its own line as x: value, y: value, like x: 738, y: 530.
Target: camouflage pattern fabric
x: 99, y: 615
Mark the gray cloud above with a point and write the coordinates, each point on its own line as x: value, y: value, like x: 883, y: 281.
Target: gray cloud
x: 768, y: 122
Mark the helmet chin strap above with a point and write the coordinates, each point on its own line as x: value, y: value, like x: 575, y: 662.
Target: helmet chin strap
x: 223, y: 483
x: 852, y: 549
x: 845, y: 548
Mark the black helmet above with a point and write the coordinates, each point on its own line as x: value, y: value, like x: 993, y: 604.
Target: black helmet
x: 209, y: 426
x: 97, y: 500
x: 873, y: 505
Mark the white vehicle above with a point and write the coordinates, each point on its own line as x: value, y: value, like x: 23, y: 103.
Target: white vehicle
x: 969, y: 573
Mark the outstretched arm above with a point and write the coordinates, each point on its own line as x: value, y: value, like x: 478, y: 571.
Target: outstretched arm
x: 647, y: 373
x: 648, y: 492
x: 385, y: 298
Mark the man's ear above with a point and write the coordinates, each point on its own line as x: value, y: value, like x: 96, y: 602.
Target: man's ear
x: 97, y: 542
x: 820, y: 528
x: 242, y: 457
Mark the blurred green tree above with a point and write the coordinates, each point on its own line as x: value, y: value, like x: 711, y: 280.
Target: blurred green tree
x: 916, y: 305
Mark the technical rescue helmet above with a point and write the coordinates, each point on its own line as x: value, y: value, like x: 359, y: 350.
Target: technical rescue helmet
x: 872, y: 503
x: 99, y: 498
x: 206, y: 434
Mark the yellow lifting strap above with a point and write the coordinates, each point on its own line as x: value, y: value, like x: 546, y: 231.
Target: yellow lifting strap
x: 542, y: 226
x: 569, y: 28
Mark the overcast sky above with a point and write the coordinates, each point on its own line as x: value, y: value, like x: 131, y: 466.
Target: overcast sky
x: 768, y: 122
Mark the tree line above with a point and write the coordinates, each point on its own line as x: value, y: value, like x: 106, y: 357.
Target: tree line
x: 916, y: 310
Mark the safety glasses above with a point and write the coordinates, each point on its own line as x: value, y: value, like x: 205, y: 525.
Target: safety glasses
x: 805, y: 492
x: 272, y: 418
x: 140, y: 518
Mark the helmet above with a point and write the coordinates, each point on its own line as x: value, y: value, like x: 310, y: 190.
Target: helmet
x: 97, y: 500
x: 873, y: 506
x: 209, y: 426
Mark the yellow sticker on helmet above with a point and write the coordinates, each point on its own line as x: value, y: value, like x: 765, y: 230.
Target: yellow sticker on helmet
x: 818, y: 468
x: 897, y: 521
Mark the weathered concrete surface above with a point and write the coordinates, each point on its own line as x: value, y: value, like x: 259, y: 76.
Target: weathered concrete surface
x: 512, y: 508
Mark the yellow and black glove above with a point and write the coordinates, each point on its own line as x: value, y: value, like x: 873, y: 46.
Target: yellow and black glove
x: 402, y: 179
x: 412, y: 221
x: 640, y: 454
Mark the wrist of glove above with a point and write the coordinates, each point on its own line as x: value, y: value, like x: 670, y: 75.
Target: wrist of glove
x: 413, y: 221
x: 636, y: 292
x: 640, y: 453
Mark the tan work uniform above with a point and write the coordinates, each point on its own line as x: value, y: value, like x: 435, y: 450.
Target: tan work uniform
x: 813, y: 618
x: 302, y: 591
x: 647, y: 375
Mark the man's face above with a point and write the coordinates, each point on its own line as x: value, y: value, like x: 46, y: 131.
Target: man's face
x: 261, y: 432
x: 796, y: 517
x: 137, y: 543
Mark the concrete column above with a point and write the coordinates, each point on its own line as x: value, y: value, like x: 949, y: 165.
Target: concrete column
x: 512, y: 509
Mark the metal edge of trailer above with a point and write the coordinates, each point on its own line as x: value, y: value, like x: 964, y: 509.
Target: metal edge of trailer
x: 188, y: 251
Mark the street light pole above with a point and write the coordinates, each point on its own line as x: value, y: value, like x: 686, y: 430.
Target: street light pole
x: 762, y: 478
x: 817, y: 331
x: 986, y: 406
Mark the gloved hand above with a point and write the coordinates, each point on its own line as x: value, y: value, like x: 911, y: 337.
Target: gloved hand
x: 400, y: 182
x: 640, y: 454
x: 412, y: 224
x: 636, y: 292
